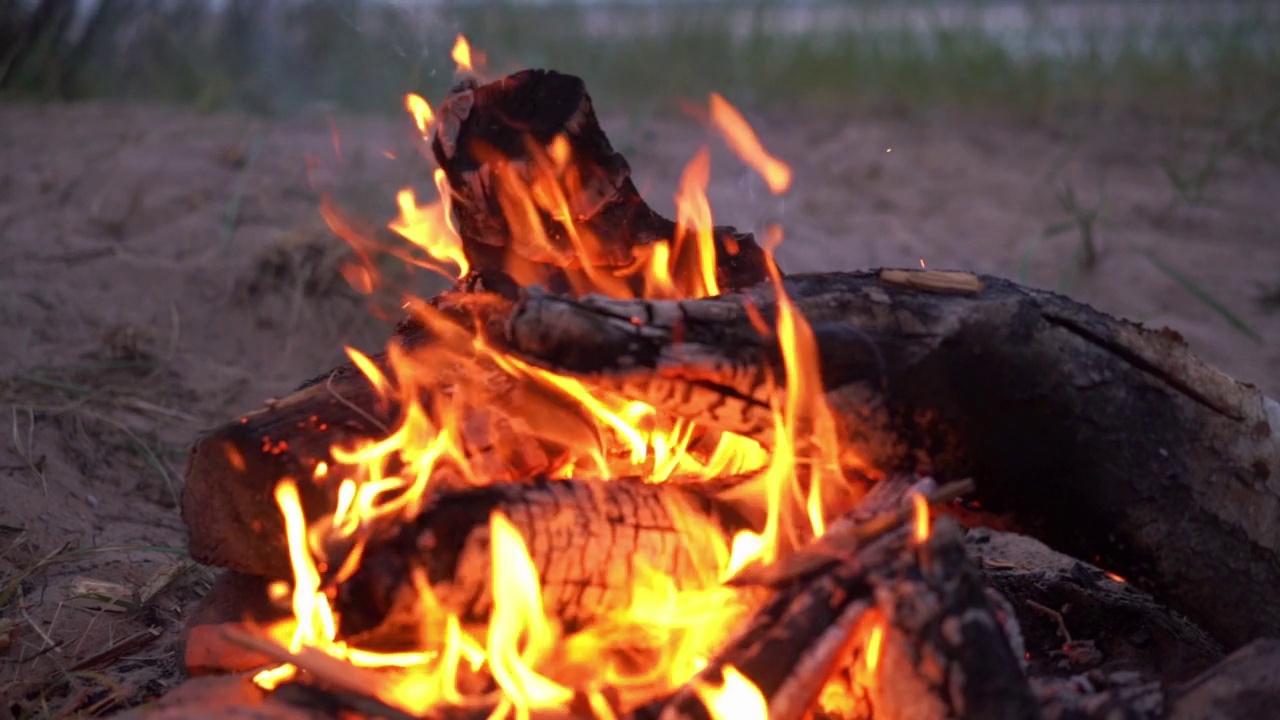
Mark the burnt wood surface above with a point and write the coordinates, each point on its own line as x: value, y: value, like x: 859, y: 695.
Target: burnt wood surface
x: 1106, y: 440
x: 587, y: 539
x: 493, y: 139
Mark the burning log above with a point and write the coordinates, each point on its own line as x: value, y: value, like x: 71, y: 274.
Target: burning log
x: 590, y: 541
x: 939, y: 652
x: 1099, y: 437
x: 503, y: 142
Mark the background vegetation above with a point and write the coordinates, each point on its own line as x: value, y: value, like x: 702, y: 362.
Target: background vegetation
x: 360, y: 56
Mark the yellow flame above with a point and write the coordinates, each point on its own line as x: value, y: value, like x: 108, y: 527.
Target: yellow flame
x: 875, y: 647
x: 737, y: 698
x: 520, y: 635
x: 429, y: 227
x: 420, y: 109
x: 461, y: 54
x: 921, y: 513
x: 743, y: 141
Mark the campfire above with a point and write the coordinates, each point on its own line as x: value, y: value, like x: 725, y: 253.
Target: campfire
x: 627, y: 469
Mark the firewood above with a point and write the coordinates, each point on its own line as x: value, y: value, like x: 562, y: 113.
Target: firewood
x: 232, y: 471
x: 491, y: 140
x: 587, y: 539
x: 1103, y: 439
x: 944, y: 653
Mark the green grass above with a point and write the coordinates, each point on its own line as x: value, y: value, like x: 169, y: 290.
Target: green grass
x: 362, y: 56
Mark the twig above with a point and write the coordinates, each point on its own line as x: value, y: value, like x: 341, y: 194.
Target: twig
x: 136, y: 641
x: 1057, y: 617
x: 332, y: 670
x: 328, y: 385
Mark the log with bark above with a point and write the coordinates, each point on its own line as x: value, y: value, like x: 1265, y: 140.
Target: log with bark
x: 1106, y: 440
x: 488, y: 140
x: 588, y: 540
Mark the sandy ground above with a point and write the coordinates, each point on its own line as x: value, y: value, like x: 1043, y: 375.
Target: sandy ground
x: 163, y: 271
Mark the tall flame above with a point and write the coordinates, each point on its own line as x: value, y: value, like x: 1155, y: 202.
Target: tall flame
x: 666, y: 632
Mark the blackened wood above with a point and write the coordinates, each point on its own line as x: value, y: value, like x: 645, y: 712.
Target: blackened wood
x: 944, y: 654
x: 1106, y: 624
x: 1244, y: 686
x: 493, y: 136
x: 1104, y: 439
x: 587, y: 540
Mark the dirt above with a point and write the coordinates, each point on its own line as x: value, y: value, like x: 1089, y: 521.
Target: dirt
x: 163, y: 271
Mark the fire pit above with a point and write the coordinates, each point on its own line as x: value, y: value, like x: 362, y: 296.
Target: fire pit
x: 626, y: 469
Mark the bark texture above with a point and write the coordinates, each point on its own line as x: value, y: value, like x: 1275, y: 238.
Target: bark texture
x: 588, y: 541
x: 1104, y: 439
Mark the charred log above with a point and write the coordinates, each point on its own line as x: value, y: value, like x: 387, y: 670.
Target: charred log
x: 589, y: 541
x: 944, y: 651
x: 493, y: 142
x: 1101, y: 438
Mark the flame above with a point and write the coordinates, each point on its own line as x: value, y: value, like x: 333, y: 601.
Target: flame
x: 737, y: 698
x: 429, y: 228
x: 420, y: 109
x: 920, y: 528
x: 461, y: 54
x: 664, y: 634
x: 875, y: 647
x: 520, y: 635
x: 742, y: 139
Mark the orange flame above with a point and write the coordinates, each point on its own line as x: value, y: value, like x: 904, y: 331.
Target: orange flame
x: 742, y: 139
x: 439, y: 387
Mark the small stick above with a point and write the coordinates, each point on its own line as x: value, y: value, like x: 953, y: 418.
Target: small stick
x: 332, y: 670
x: 834, y: 544
x: 941, y: 281
x: 135, y: 641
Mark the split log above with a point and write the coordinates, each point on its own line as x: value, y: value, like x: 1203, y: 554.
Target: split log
x: 496, y: 141
x: 588, y: 541
x: 1103, y: 439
